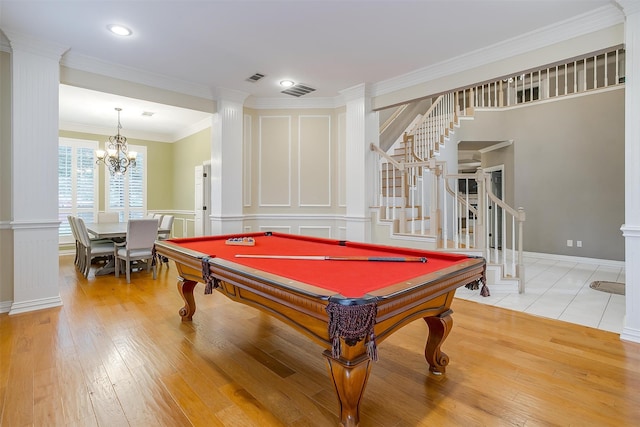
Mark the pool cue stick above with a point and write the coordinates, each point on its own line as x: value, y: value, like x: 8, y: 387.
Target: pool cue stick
x: 337, y: 258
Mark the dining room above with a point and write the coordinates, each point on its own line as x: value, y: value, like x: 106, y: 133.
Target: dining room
x: 161, y: 145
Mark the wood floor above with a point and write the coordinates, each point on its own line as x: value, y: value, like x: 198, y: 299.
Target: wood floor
x: 118, y: 355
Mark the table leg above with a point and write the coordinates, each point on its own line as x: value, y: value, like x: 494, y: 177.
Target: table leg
x: 108, y: 268
x: 439, y: 328
x: 185, y: 288
x: 349, y: 379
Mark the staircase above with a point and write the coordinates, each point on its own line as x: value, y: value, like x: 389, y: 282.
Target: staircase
x: 419, y: 200
x: 420, y: 203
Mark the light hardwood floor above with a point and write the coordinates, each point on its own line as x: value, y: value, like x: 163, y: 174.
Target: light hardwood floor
x: 118, y: 355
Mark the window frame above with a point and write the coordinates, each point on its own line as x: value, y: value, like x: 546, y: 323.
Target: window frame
x: 76, y: 144
x: 126, y: 211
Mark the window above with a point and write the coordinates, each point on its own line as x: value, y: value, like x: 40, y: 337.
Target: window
x: 127, y: 194
x: 77, y: 183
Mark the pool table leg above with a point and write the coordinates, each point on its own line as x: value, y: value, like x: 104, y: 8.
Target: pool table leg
x: 439, y: 328
x: 185, y: 288
x: 349, y: 379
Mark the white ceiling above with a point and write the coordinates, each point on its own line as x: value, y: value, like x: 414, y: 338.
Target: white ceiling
x: 200, y: 46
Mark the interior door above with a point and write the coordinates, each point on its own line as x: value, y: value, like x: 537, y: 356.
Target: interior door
x: 199, y: 201
x: 202, y: 204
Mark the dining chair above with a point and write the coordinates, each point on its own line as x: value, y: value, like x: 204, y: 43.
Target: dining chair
x: 90, y: 248
x: 141, y: 235
x: 108, y: 217
x: 76, y: 239
x: 166, y: 224
x: 159, y: 217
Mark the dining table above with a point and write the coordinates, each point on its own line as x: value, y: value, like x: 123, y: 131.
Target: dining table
x: 115, y: 231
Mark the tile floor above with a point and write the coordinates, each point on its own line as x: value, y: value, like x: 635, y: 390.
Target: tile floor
x: 559, y: 289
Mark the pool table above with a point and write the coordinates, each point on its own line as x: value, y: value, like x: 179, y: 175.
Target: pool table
x: 346, y: 296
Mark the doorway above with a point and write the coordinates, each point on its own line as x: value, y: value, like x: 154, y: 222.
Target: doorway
x: 495, y: 218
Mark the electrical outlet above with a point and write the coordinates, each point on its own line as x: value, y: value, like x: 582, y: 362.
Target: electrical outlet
x: 570, y: 243
x: 579, y: 243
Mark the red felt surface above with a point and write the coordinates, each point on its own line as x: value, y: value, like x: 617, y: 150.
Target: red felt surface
x: 353, y: 279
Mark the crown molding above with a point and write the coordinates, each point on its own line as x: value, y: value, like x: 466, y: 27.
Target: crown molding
x: 195, y: 128
x: 4, y: 43
x: 104, y: 131
x: 35, y: 45
x: 135, y: 134
x: 297, y: 103
x: 98, y: 66
x: 629, y: 7
x: 224, y: 94
x: 595, y: 20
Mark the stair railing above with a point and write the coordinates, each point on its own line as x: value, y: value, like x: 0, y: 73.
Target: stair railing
x: 484, y: 222
x: 436, y: 124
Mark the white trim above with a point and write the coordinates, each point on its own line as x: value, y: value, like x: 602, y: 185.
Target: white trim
x: 97, y: 66
x: 281, y: 228
x: 315, y: 227
x: 630, y: 334
x: 294, y: 103
x: 33, y: 305
x: 495, y: 147
x: 247, y: 139
x: 34, y: 225
x: 342, y: 170
x: 576, y: 259
x: 293, y: 217
x: 5, y: 306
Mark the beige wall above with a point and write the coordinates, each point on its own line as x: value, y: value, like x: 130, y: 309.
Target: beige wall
x: 159, y: 173
x: 295, y: 171
x: 295, y: 164
x: 186, y: 154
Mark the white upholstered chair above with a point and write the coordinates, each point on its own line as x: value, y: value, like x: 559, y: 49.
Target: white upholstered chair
x: 74, y: 233
x: 89, y: 248
x: 141, y: 235
x: 166, y: 224
x: 108, y: 217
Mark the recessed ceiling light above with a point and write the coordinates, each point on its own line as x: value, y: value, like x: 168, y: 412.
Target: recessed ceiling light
x: 120, y: 30
x: 286, y: 83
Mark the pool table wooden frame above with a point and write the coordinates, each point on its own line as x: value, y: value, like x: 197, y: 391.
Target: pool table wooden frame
x: 304, y: 307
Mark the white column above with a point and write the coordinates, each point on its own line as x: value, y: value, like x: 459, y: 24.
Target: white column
x: 362, y: 130
x: 631, y: 227
x: 35, y: 79
x: 226, y: 163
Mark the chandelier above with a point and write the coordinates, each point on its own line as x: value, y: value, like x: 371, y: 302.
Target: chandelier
x: 117, y: 158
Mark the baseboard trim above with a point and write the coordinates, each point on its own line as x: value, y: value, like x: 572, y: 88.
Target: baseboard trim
x: 5, y: 306
x: 582, y: 260
x: 33, y: 305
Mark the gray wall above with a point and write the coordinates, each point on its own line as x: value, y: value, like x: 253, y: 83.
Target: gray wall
x: 568, y: 171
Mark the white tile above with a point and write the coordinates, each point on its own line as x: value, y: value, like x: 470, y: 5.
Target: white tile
x: 560, y: 290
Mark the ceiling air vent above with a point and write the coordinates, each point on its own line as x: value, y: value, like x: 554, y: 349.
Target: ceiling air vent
x: 298, y: 90
x: 255, y: 77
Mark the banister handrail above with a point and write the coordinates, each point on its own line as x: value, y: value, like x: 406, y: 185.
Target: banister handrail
x: 387, y: 157
x: 426, y: 115
x: 393, y: 117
